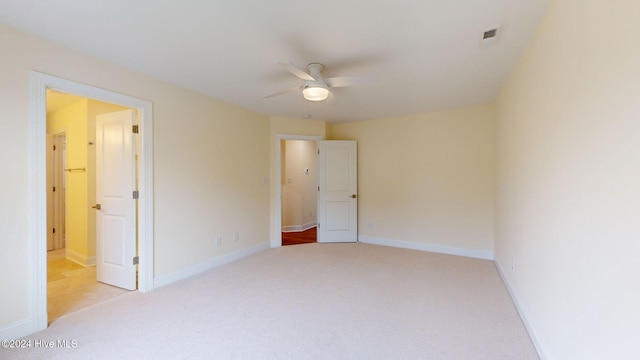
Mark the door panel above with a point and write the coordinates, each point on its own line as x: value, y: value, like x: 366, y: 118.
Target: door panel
x: 115, y: 179
x: 337, y: 193
x: 114, y: 227
x: 338, y: 215
x: 337, y: 169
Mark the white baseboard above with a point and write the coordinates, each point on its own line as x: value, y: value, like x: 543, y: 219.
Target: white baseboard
x: 18, y: 329
x: 521, y: 312
x: 441, y: 249
x: 297, y: 228
x: 207, y: 265
x: 80, y: 259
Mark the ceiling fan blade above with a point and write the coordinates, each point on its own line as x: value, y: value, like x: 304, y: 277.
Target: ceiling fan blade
x: 297, y: 88
x: 297, y: 71
x: 342, y: 81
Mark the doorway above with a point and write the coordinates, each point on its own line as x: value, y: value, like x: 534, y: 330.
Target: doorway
x: 39, y: 83
x: 73, y: 266
x: 279, y: 179
x: 299, y: 191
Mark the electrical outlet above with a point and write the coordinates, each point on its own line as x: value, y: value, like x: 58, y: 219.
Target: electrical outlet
x: 236, y: 236
x: 219, y: 241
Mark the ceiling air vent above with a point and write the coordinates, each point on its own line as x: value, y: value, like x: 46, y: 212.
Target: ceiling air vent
x: 490, y: 37
x: 489, y: 34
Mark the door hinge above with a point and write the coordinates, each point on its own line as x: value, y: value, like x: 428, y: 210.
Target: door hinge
x: 54, y: 148
x: 318, y: 188
x: 136, y: 194
x: 318, y: 151
x: 134, y: 129
x: 318, y: 225
x: 136, y: 260
x: 54, y: 231
x: 54, y: 189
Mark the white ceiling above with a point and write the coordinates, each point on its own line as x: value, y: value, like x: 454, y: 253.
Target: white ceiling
x: 425, y: 53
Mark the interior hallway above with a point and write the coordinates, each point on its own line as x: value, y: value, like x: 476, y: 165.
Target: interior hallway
x: 308, y: 236
x: 71, y: 287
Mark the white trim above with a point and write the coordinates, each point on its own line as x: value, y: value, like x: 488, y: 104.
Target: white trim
x: 38, y: 205
x: 192, y: 270
x: 441, y: 249
x: 78, y: 258
x: 39, y: 83
x: 521, y: 312
x: 17, y: 329
x: 277, y: 221
x: 299, y: 228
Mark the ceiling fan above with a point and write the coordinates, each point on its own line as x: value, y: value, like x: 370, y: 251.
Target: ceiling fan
x: 316, y: 88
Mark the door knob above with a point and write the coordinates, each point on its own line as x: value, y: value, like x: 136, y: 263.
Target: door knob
x: 96, y: 206
x: 353, y: 196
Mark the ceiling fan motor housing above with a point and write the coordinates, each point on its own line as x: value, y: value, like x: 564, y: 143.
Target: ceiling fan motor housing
x: 317, y: 89
x: 315, y: 69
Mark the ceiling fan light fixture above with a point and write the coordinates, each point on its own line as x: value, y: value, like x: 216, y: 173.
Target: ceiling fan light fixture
x: 315, y: 93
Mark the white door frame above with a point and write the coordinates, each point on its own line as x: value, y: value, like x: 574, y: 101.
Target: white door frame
x: 39, y: 83
x: 278, y: 181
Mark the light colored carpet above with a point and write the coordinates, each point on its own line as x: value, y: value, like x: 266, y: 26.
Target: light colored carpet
x: 317, y: 301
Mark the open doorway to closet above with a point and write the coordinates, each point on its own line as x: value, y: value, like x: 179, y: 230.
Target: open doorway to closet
x: 299, y: 191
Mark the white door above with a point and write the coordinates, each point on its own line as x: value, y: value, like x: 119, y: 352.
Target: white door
x: 337, y: 191
x: 115, y: 218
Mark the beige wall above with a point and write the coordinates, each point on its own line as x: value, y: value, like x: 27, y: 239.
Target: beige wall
x: 568, y: 181
x: 426, y: 179
x: 299, y: 185
x: 201, y: 190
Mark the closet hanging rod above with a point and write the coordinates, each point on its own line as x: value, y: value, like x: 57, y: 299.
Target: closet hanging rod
x: 75, y: 169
